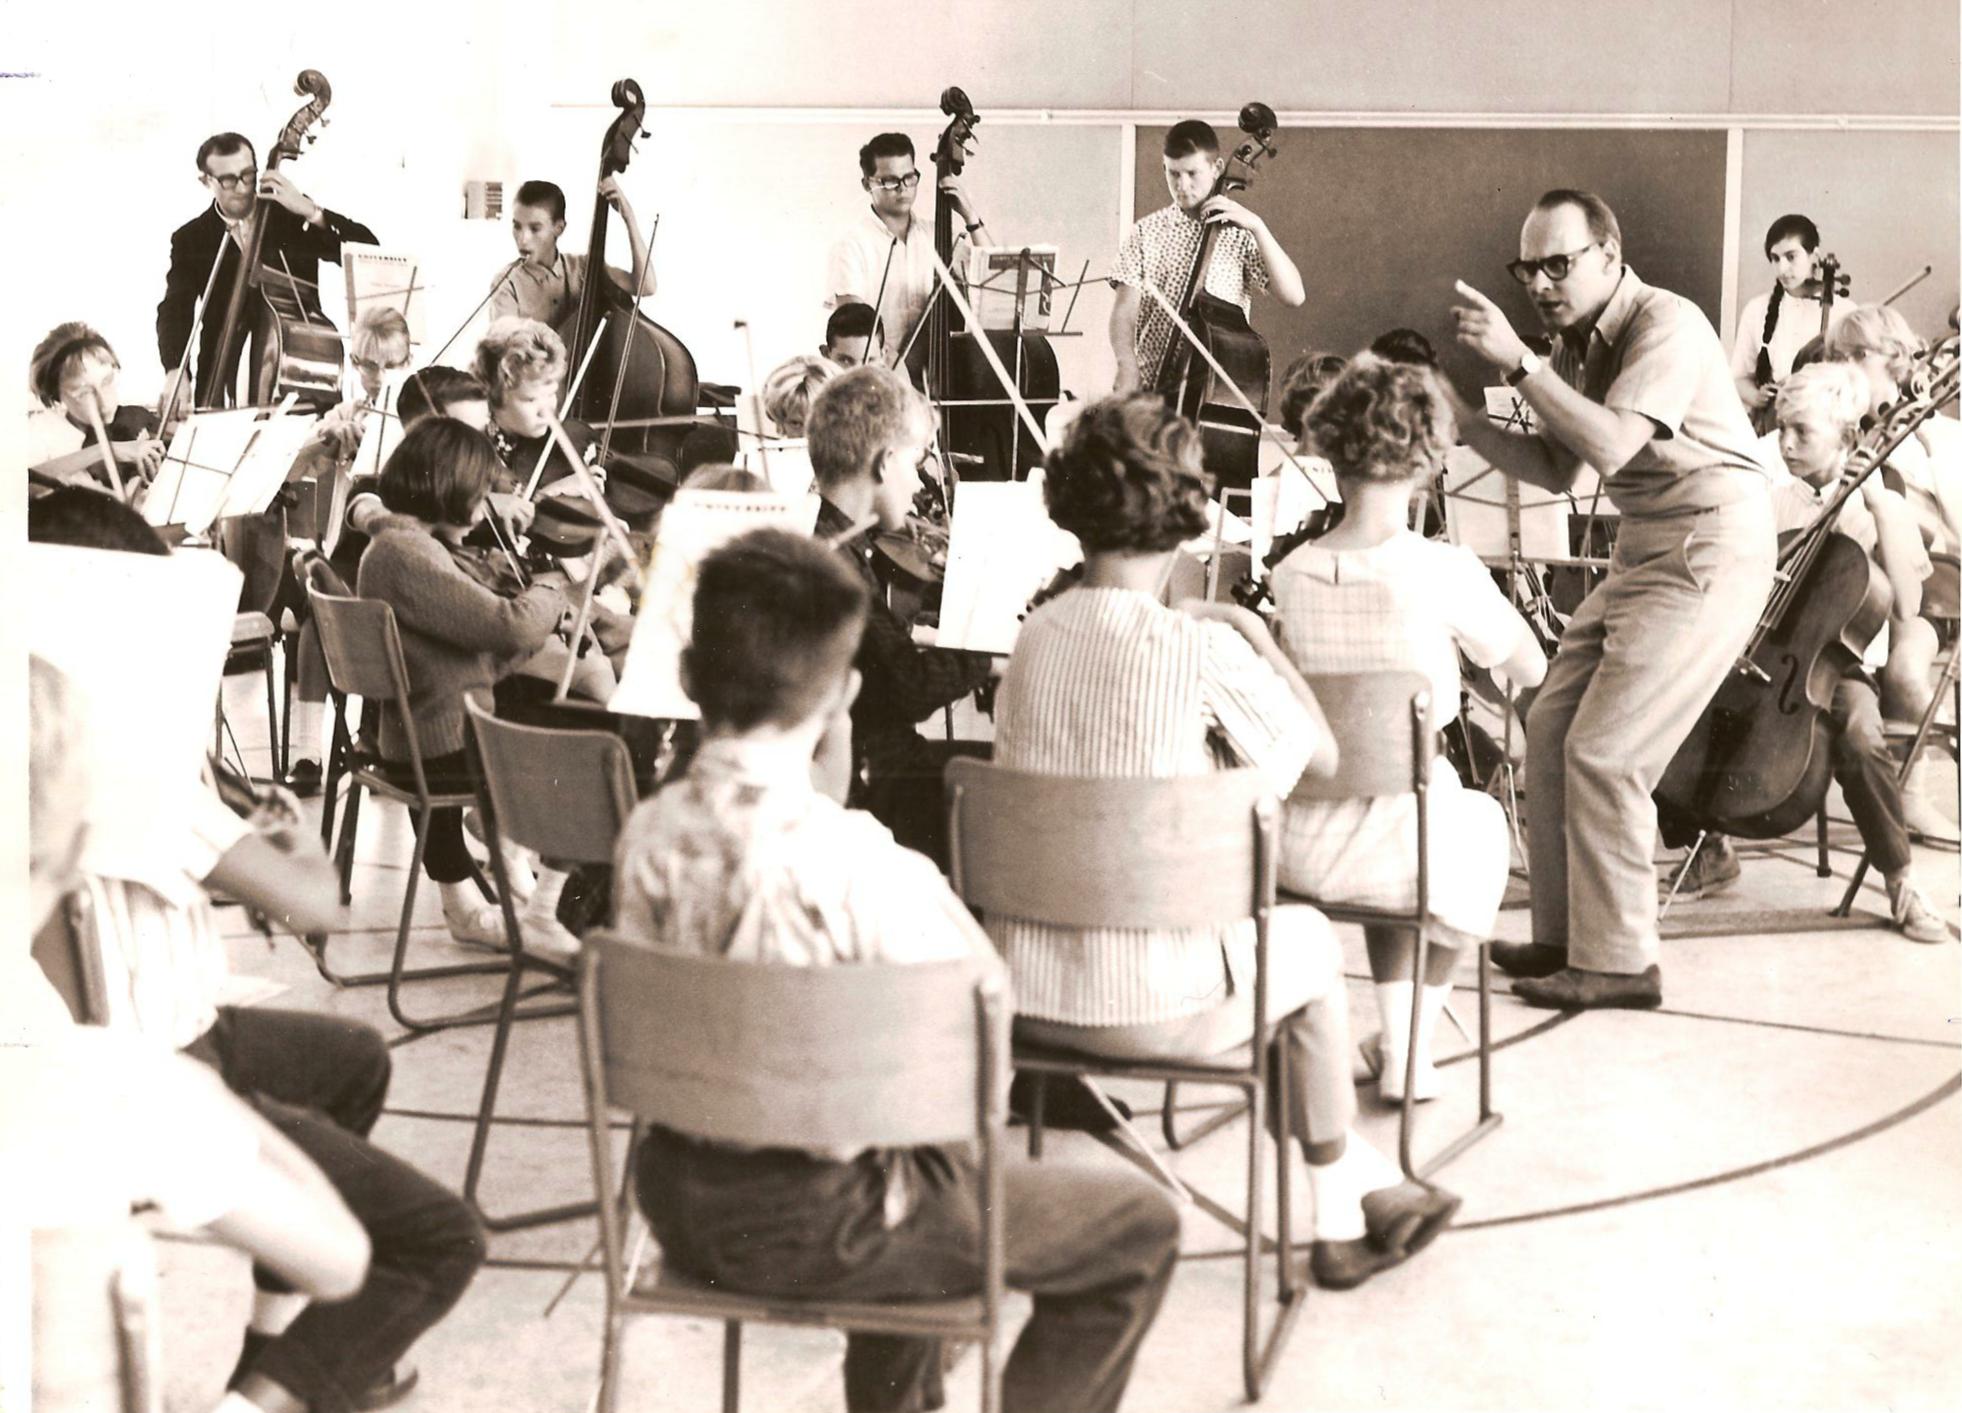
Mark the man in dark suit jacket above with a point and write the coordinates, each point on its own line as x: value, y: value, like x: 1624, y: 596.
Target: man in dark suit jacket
x: 299, y: 230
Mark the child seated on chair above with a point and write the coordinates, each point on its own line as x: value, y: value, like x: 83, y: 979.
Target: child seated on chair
x: 1108, y: 682
x: 1373, y: 595
x: 73, y: 374
x: 750, y: 856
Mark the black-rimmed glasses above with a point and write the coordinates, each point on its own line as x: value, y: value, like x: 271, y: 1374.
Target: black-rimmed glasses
x: 1557, y: 267
x: 905, y: 183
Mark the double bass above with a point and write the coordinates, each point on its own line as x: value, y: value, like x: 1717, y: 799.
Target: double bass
x: 641, y: 390
x: 1229, y: 433
x: 297, y: 350
x: 1757, y: 763
x: 977, y: 418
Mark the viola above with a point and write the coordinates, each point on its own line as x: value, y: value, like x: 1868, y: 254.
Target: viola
x: 299, y: 350
x: 976, y: 415
x: 1229, y: 432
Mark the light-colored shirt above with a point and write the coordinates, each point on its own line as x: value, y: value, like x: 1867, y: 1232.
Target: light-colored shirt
x: 1798, y: 325
x: 868, y: 255
x: 1111, y: 684
x: 547, y: 293
x: 1159, y: 250
x: 1653, y: 353
x: 1796, y: 503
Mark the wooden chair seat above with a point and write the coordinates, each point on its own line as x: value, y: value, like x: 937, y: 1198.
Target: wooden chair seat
x: 665, y: 1290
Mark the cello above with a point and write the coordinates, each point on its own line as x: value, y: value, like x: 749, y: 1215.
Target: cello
x: 1229, y: 433
x: 298, y: 350
x: 1757, y: 763
x: 1833, y: 284
x: 641, y: 388
x: 977, y: 418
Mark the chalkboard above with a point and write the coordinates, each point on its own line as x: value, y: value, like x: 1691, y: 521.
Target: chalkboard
x: 1382, y: 220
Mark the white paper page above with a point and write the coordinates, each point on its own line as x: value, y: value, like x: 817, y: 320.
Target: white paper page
x: 142, y: 640
x: 1283, y: 501
x: 786, y: 465
x: 694, y: 523
x: 378, y: 278
x: 1476, y: 516
x: 267, y: 465
x: 224, y: 463
x: 1002, y: 550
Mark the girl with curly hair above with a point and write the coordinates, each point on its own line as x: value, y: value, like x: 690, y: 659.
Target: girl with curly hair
x: 1107, y: 681
x: 1373, y: 595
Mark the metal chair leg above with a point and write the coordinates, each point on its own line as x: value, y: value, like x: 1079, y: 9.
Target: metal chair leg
x: 1168, y: 1120
x: 397, y: 973
x: 732, y: 1365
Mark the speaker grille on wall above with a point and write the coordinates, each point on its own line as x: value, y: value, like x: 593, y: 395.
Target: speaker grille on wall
x: 483, y: 201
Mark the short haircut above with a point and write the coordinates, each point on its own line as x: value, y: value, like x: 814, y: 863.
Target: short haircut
x: 1836, y: 392
x: 56, y: 767
x: 1128, y: 477
x: 1875, y: 328
x: 433, y: 391
x: 1303, y: 382
x: 1192, y: 135
x: 791, y: 388
x: 1785, y: 227
x: 1381, y: 421
x: 517, y: 350
x: 707, y: 446
x: 855, y: 416
x: 850, y: 320
x: 439, y: 472
x: 545, y: 195
x: 225, y: 144
x: 777, y: 623
x: 886, y: 144
x: 726, y: 478
x: 55, y: 354
x: 1601, y: 222
x: 90, y: 519
x: 378, y: 324
x: 1404, y: 346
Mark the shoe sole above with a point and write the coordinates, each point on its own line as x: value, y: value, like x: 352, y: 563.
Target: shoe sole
x: 1632, y: 1003
x: 1390, y: 1259
x: 1413, y: 1231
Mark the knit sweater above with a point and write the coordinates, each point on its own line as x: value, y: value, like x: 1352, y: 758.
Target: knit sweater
x: 457, y: 636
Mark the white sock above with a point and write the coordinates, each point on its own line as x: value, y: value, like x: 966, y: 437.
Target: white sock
x: 1429, y: 1009
x: 1393, y: 1009
x: 304, y: 729
x: 236, y: 1403
x: 460, y: 899
x: 273, y: 1311
x: 544, y: 902
x: 1339, y: 1189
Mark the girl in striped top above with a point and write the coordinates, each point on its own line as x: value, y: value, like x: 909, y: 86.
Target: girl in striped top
x: 1373, y: 595
x: 1107, y: 682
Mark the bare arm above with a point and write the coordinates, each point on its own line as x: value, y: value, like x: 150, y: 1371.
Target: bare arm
x: 1124, y: 338
x: 1248, y: 625
x: 290, y: 1219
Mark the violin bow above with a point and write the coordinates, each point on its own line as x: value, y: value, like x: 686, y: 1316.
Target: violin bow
x: 556, y: 433
x: 102, y: 441
x: 749, y: 350
x: 626, y: 353
x: 590, y: 484
x: 176, y: 383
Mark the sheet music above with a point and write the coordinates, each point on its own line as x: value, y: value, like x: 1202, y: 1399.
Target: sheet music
x: 785, y: 464
x: 379, y: 278
x: 142, y: 640
x: 1002, y: 549
x: 224, y: 463
x: 1476, y: 514
x: 694, y: 523
x: 1282, y: 501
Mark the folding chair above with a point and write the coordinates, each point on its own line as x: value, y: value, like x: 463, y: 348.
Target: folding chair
x: 318, y: 576
x: 1196, y: 851
x: 1363, y: 710
x: 364, y: 659
x: 565, y: 795
x: 812, y: 1057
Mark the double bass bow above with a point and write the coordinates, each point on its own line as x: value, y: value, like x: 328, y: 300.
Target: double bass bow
x: 298, y: 350
x: 1230, y: 435
x: 1757, y: 763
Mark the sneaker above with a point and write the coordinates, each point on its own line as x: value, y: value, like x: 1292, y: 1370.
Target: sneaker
x: 1916, y: 918
x: 547, y: 936
x: 518, y: 872
x: 1389, y: 1086
x: 478, y: 925
x: 1713, y: 869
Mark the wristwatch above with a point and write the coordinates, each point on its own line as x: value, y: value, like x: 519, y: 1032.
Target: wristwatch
x: 1529, y: 364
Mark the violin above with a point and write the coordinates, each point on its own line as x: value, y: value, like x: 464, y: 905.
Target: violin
x: 299, y: 350
x: 1759, y: 759
x: 977, y: 418
x: 1229, y: 433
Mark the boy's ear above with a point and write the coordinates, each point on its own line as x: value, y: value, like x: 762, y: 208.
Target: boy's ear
x: 854, y: 680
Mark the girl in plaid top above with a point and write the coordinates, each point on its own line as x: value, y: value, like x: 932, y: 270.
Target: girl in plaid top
x: 1107, y: 682
x: 1373, y: 595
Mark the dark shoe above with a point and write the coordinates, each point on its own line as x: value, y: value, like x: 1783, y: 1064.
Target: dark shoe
x: 1528, y: 958
x: 1714, y: 869
x: 1344, y: 1265
x: 394, y: 1386
x: 1409, y: 1216
x: 1066, y: 1104
x: 304, y: 778
x: 1577, y: 990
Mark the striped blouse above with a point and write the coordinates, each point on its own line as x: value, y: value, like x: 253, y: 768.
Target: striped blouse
x: 1109, y: 683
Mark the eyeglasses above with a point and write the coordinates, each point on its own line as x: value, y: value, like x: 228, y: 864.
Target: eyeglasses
x: 232, y: 181
x: 370, y: 365
x: 905, y: 183
x: 1557, y: 267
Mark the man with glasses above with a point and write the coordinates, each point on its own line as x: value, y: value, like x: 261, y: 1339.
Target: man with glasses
x: 1639, y: 387
x: 886, y: 258
x: 300, y: 233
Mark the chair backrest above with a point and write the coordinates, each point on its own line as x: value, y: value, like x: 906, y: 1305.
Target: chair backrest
x: 1187, y: 852
x: 322, y: 577
x: 770, y: 1055
x: 68, y: 952
x: 1382, y: 727
x: 564, y: 794
x: 363, y: 649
